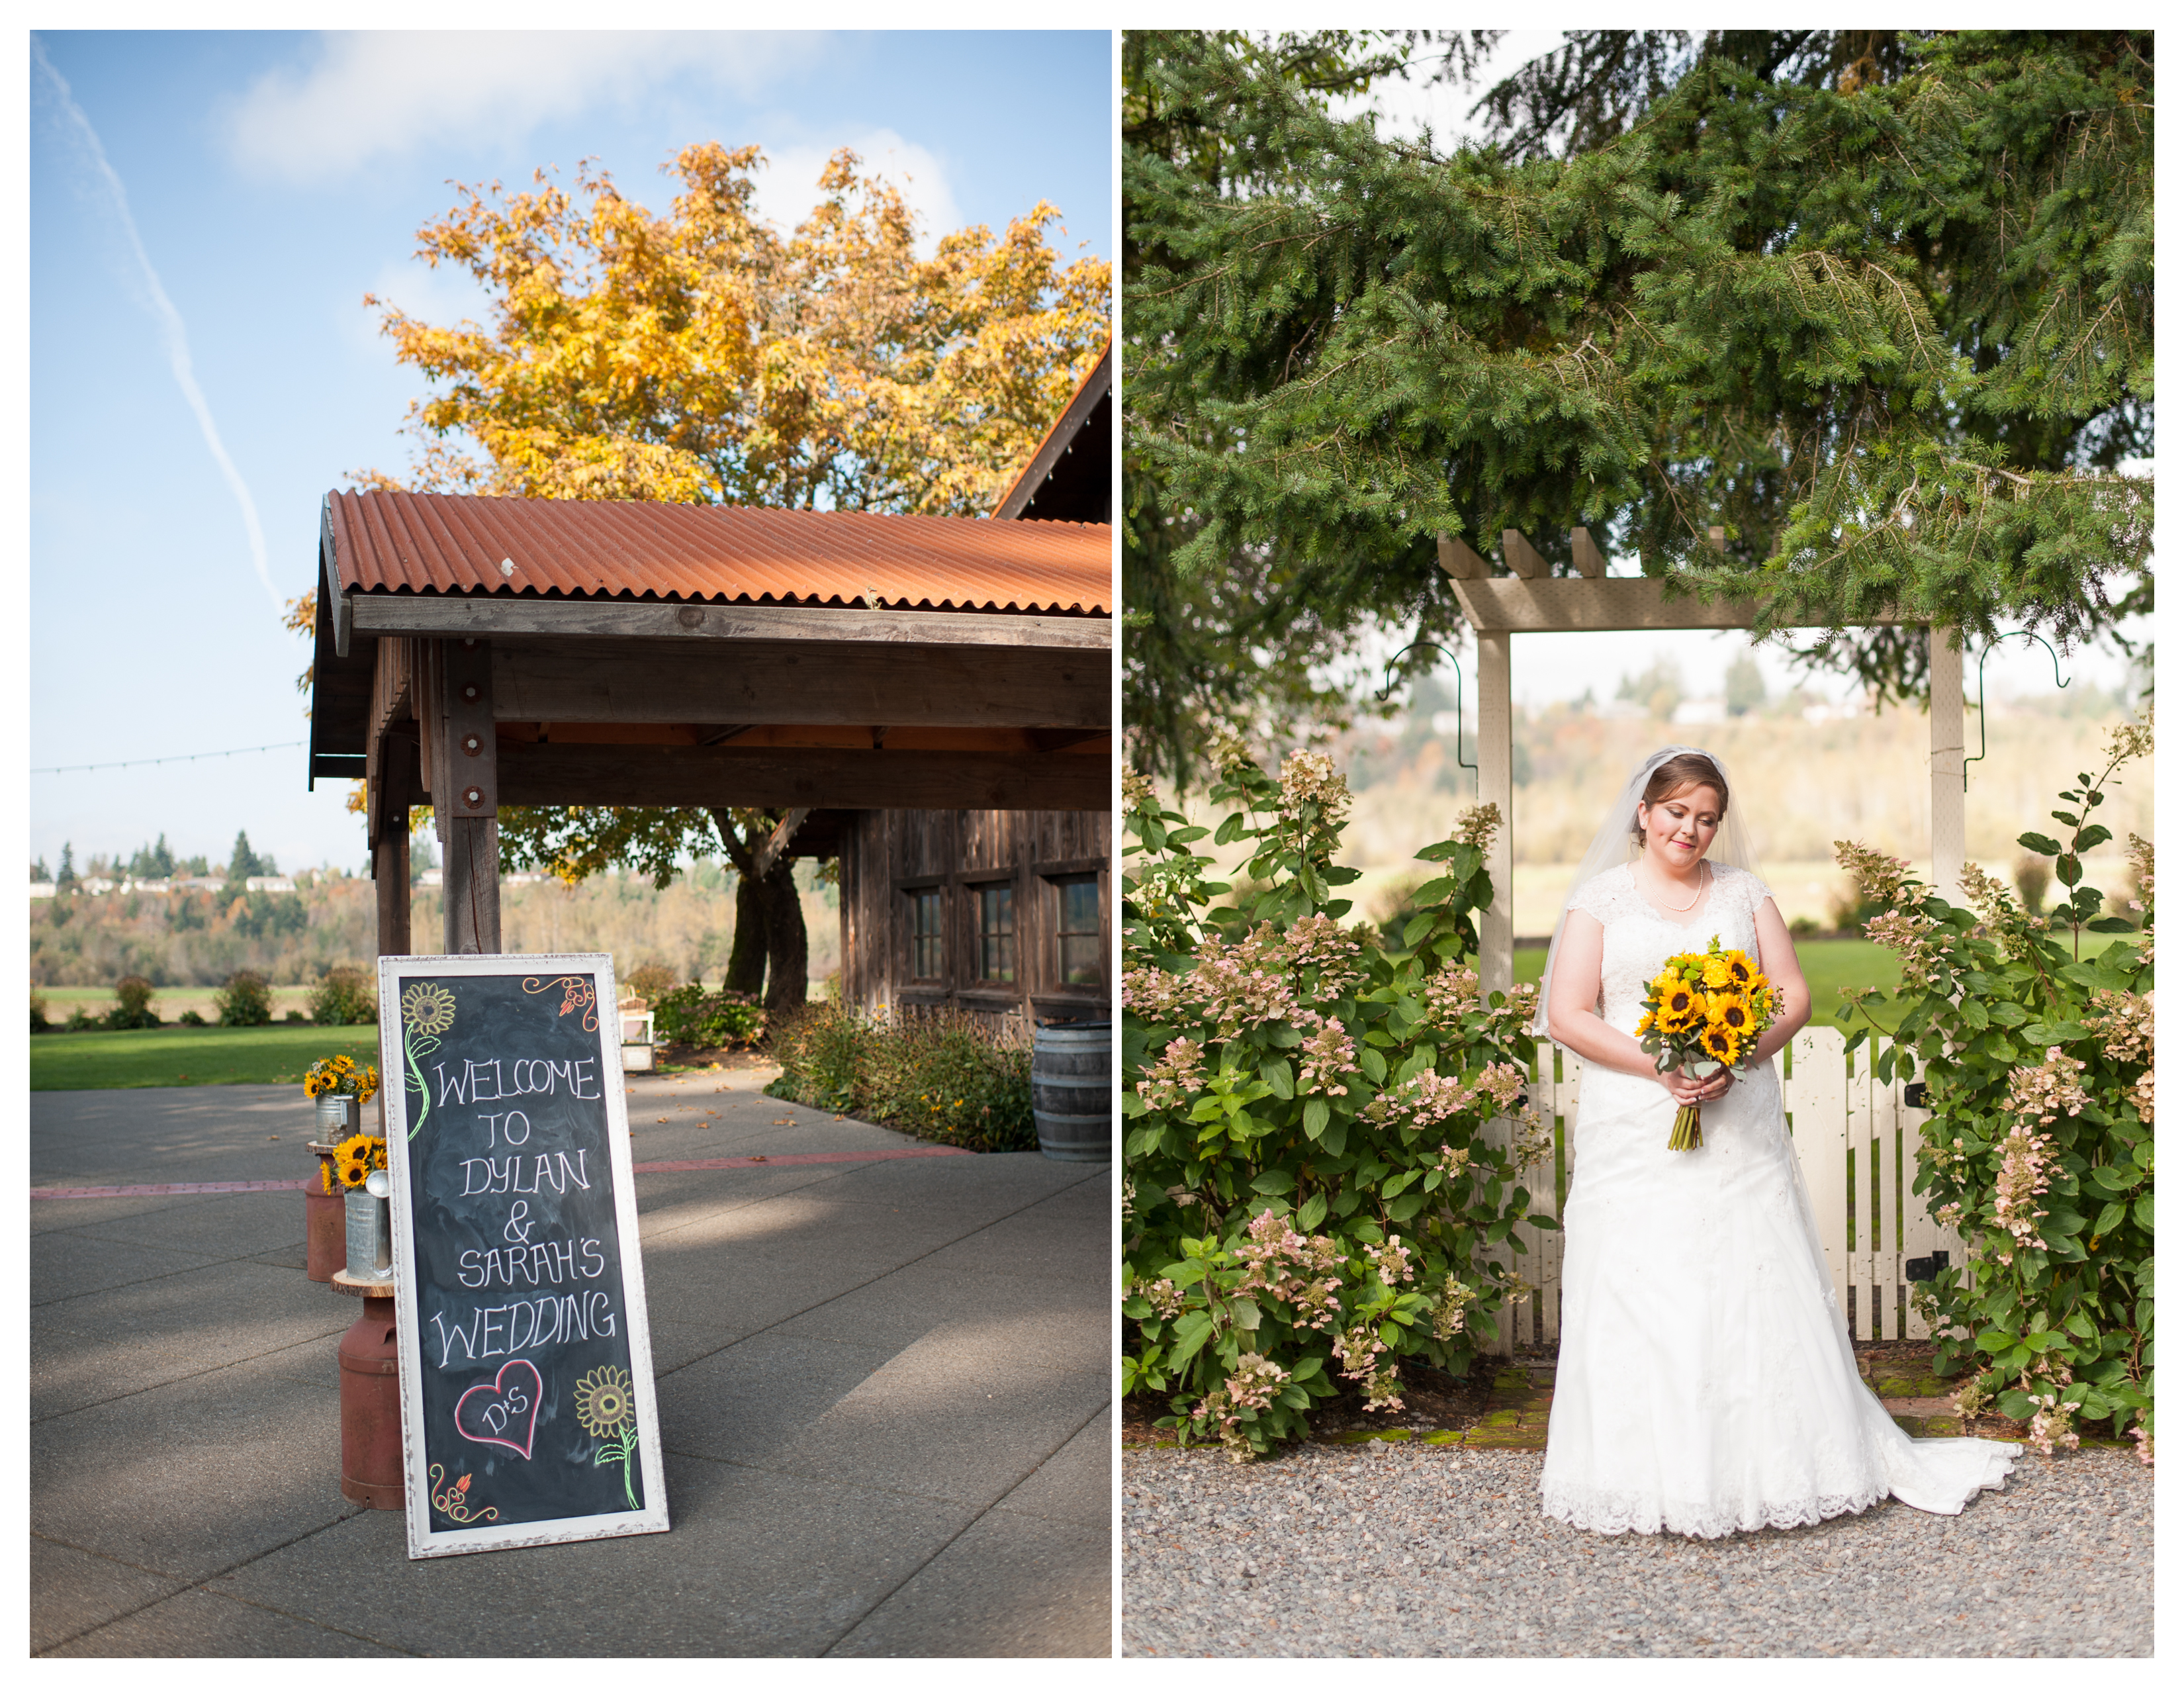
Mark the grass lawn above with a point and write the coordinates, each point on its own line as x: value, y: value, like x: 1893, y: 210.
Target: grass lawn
x: 1829, y: 963
x: 191, y: 1055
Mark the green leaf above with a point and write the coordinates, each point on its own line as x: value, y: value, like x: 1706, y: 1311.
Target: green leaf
x: 1187, y: 835
x: 2089, y: 838
x: 1304, y: 1369
x: 1191, y: 1331
x: 1311, y: 1215
x: 2142, y: 1210
x: 1417, y: 927
x: 1404, y: 1208
x: 2040, y: 843
x: 1372, y: 1064
x: 1244, y: 1312
x: 1276, y: 1072
x: 1230, y: 829
x: 1315, y: 1118
x: 1274, y: 1181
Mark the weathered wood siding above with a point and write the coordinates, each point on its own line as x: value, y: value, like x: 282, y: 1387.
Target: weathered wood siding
x: 888, y: 855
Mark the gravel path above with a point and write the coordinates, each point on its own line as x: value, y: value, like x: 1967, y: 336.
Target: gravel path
x: 1395, y: 1550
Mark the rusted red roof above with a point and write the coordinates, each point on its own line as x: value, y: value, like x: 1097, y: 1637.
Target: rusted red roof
x: 449, y: 542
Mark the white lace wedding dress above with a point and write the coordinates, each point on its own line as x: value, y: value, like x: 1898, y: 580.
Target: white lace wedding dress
x: 1706, y: 1383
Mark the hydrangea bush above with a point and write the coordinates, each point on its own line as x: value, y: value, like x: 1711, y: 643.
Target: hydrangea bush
x: 1308, y: 1190
x: 2037, y: 1054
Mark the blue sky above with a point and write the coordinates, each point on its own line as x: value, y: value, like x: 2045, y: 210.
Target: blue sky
x: 273, y: 179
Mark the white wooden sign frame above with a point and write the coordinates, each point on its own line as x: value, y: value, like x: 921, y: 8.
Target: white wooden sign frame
x: 425, y: 1543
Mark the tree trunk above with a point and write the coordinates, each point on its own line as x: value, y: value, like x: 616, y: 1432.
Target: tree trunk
x: 770, y: 937
x: 747, y: 956
x: 786, y: 953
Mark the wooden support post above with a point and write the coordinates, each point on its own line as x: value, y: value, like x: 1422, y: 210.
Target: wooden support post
x: 1590, y: 562
x: 1945, y: 727
x: 390, y: 872
x: 466, y: 797
x: 1496, y: 925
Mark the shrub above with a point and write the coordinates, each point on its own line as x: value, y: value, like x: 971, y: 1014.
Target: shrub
x: 295, y: 1016
x: 246, y: 999
x: 943, y: 1078
x: 132, y: 1005
x: 650, y: 980
x: 79, y: 1021
x: 1309, y: 1187
x: 38, y: 1012
x: 688, y: 1015
x: 190, y: 1016
x: 2031, y: 876
x: 2038, y: 1062
x: 346, y: 996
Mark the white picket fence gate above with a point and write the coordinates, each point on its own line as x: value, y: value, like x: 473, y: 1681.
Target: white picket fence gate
x: 1857, y: 1143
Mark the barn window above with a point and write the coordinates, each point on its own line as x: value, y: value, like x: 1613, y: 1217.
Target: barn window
x: 925, y: 953
x: 1076, y: 926
x: 997, y: 933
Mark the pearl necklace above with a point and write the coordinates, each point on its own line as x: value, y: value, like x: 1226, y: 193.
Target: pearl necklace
x: 1706, y: 878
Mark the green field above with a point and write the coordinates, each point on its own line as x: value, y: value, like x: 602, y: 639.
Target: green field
x: 1829, y: 963
x: 191, y: 1055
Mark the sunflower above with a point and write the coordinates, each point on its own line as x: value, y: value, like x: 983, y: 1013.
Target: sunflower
x: 1720, y: 1043
x: 1735, y: 1014
x: 604, y: 1403
x: 1679, y: 1006
x: 1741, y: 969
x: 429, y: 1009
x: 1645, y: 1023
x: 358, y: 1157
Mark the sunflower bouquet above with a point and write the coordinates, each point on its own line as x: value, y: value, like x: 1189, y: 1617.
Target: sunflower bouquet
x: 355, y: 1159
x: 338, y: 1075
x: 1704, y: 1012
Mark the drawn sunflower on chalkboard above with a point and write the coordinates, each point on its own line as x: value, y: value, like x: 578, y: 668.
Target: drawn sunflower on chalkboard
x: 427, y: 1010
x: 607, y: 1410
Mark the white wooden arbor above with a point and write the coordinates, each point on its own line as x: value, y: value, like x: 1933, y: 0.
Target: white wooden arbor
x: 1853, y: 1135
x: 1531, y: 600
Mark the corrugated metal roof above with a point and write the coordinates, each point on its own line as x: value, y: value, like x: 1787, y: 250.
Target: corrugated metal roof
x: 447, y: 543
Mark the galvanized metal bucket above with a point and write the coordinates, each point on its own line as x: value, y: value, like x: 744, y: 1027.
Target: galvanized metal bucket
x: 339, y: 1117
x: 370, y: 1235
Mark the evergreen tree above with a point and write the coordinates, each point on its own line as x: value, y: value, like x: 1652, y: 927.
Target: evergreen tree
x: 241, y: 864
x: 39, y: 873
x: 67, y: 878
x: 1879, y: 305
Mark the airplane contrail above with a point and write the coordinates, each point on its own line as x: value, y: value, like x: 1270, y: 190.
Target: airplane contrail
x: 172, y: 329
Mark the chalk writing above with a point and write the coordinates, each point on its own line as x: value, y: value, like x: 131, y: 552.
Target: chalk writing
x: 494, y: 1412
x: 545, y: 1322
x: 482, y: 1175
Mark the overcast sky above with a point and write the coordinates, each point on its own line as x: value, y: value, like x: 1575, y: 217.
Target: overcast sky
x: 207, y: 211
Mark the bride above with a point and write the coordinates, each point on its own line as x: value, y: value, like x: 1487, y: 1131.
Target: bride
x: 1705, y: 1382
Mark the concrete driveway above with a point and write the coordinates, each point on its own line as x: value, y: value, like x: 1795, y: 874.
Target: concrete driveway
x: 885, y: 1400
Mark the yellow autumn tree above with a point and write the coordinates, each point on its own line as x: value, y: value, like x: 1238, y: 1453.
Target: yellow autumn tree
x: 705, y: 357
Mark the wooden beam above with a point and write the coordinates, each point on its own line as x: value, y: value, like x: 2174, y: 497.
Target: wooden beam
x: 1525, y: 562
x: 1458, y: 561
x: 1562, y: 606
x: 699, y: 775
x: 858, y: 685
x: 1497, y: 945
x: 503, y: 615
x: 1945, y: 728
x: 1590, y: 562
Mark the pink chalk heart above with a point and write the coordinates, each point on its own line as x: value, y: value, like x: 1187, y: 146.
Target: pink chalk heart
x: 496, y: 1412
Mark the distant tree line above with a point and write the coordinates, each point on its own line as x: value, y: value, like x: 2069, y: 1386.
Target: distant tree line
x: 155, y: 861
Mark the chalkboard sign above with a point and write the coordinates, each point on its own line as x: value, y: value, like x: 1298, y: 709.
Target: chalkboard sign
x: 527, y: 1412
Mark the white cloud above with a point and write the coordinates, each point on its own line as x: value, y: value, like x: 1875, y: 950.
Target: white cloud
x: 374, y: 95
x: 788, y: 189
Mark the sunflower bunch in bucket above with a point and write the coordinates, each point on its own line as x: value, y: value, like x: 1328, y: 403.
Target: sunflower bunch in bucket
x: 1703, y: 1013
x: 356, y: 1158
x: 339, y: 1075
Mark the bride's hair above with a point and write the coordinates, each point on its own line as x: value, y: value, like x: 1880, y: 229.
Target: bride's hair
x: 1680, y: 773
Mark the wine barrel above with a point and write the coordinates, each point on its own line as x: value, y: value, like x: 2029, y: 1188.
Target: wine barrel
x: 1072, y: 1090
